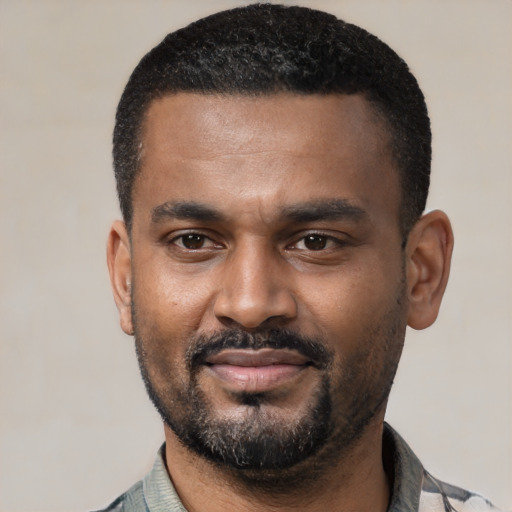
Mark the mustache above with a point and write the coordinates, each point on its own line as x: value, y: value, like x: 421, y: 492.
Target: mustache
x: 204, y: 346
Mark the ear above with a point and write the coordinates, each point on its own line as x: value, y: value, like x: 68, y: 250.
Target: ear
x: 429, y: 252
x: 119, y: 267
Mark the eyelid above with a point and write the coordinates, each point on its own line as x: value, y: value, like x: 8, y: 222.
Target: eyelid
x: 339, y: 240
x: 177, y: 235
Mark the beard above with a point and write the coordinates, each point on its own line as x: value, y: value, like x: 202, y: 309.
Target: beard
x: 258, y: 440
x: 262, y: 445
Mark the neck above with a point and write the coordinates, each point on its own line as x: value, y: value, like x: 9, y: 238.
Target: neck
x: 357, y: 482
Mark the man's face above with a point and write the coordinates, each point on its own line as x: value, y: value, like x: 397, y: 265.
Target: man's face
x: 268, y: 287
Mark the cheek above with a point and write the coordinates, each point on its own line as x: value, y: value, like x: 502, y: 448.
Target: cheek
x: 172, y: 299
x: 349, y: 303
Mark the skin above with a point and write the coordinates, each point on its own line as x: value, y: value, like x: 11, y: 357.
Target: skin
x: 252, y: 267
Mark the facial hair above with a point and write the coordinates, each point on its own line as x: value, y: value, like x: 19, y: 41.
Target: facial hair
x: 258, y: 440
x: 265, y: 449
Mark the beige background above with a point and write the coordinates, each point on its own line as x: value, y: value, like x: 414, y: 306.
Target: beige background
x: 76, y: 428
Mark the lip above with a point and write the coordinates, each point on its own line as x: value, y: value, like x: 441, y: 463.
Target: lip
x: 257, y: 371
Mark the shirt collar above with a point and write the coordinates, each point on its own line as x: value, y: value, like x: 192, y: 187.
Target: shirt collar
x: 404, y: 470
x: 403, y: 467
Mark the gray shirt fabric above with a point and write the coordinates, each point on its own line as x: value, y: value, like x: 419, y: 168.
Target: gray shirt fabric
x: 414, y: 489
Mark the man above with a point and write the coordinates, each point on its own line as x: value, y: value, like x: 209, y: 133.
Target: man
x: 272, y: 166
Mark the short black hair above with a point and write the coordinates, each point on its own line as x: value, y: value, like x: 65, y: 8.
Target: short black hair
x: 265, y: 49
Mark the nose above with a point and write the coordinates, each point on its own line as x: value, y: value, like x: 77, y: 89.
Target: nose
x: 254, y: 290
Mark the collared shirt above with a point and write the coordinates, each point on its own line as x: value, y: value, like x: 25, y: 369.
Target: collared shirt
x: 414, y: 489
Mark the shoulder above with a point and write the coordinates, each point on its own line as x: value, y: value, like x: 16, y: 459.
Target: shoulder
x: 438, y: 496
x: 154, y: 492
x: 132, y: 500
x: 415, y: 489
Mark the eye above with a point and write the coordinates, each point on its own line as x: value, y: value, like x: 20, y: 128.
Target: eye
x: 193, y: 241
x: 316, y: 242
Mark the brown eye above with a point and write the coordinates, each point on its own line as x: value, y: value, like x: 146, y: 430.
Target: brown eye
x: 315, y: 242
x: 192, y: 241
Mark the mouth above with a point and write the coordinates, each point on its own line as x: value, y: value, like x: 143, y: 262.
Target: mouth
x: 257, y: 371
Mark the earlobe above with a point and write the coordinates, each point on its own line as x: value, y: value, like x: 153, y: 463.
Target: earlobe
x: 429, y: 251
x: 119, y: 266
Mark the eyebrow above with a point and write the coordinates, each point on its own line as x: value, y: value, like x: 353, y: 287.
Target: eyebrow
x: 183, y: 210
x: 325, y: 209
x: 310, y: 211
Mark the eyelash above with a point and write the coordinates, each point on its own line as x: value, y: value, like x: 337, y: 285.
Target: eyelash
x: 325, y: 238
x: 204, y: 238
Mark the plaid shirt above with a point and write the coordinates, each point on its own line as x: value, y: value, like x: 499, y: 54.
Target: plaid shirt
x: 414, y: 489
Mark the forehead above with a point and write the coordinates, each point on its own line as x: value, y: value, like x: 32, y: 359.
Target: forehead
x: 199, y: 122
x: 273, y: 147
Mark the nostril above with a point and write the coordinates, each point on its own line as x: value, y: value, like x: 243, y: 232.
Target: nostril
x: 272, y: 322
x: 227, y: 322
